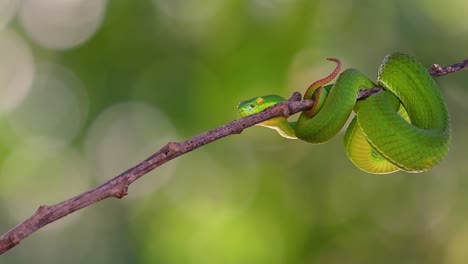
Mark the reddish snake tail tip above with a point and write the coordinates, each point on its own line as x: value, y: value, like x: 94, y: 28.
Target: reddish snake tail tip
x: 315, y: 85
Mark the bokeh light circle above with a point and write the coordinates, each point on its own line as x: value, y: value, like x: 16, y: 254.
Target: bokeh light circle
x: 56, y: 106
x: 16, y: 70
x: 125, y: 134
x: 61, y: 24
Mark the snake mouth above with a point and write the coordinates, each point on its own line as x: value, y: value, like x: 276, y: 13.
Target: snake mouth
x: 243, y: 112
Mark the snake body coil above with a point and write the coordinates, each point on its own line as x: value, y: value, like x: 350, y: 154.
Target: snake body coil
x: 405, y: 127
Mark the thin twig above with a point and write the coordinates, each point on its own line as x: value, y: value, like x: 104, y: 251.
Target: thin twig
x: 436, y: 70
x: 118, y: 186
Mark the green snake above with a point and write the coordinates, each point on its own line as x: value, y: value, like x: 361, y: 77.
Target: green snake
x: 404, y: 127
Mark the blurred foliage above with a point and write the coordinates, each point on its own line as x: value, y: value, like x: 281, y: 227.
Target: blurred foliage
x: 111, y: 82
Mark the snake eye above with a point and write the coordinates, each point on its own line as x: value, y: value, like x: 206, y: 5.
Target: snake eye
x: 260, y: 100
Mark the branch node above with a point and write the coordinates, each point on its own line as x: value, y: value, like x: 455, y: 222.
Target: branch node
x: 173, y: 147
x: 120, y: 191
x: 15, y: 240
x: 296, y: 96
x: 436, y: 68
x: 286, y: 107
x: 42, y: 209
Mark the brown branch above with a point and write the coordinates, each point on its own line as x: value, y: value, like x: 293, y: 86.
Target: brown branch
x: 118, y: 186
x: 436, y: 70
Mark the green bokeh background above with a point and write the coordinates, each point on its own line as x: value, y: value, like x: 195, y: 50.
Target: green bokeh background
x: 158, y: 71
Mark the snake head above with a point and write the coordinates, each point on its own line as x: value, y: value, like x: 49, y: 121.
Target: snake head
x: 258, y: 104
